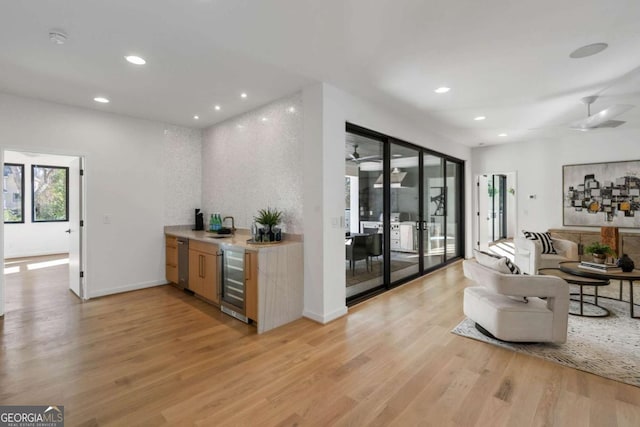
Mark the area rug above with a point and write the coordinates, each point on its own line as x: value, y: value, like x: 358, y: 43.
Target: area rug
x: 605, y: 346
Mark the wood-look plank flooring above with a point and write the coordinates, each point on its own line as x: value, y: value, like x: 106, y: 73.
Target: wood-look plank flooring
x: 159, y: 357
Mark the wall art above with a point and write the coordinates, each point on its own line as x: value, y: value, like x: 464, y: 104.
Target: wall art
x: 602, y: 194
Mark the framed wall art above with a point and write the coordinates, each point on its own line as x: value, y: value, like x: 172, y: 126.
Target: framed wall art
x: 602, y: 194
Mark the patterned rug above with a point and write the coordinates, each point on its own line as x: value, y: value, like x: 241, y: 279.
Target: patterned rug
x: 604, y: 346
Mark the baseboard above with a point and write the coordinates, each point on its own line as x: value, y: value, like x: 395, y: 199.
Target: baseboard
x: 326, y: 318
x: 126, y: 288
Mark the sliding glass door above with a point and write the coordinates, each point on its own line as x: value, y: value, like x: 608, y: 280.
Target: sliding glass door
x: 454, y: 216
x: 404, y: 208
x: 403, y: 211
x: 364, y: 214
x: 433, y: 230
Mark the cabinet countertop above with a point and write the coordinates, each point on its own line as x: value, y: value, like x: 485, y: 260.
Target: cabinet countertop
x: 238, y: 239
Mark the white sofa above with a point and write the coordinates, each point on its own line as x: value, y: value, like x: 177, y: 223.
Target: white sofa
x: 490, y: 303
x: 529, y: 257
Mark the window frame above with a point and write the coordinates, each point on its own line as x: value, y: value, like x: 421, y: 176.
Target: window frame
x: 33, y: 199
x: 21, y: 165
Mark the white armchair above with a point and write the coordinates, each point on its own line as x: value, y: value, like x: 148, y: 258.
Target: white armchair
x: 529, y: 256
x: 489, y: 303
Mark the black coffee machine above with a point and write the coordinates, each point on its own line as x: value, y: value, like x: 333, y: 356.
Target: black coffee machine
x: 199, y: 220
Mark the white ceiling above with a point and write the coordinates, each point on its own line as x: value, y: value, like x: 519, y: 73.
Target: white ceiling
x: 506, y: 60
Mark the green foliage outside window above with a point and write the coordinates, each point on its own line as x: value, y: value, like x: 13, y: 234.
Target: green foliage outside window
x: 50, y: 193
x: 12, y: 192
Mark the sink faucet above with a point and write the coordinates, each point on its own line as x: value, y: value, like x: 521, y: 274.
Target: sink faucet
x: 233, y: 223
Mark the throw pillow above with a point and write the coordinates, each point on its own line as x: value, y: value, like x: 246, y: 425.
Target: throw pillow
x: 543, y: 239
x: 501, y: 265
x: 497, y: 262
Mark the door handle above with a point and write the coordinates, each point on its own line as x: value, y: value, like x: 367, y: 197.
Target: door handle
x: 247, y: 266
x: 68, y: 231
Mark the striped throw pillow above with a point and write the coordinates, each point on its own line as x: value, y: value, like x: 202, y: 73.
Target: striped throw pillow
x: 542, y: 239
x: 497, y: 262
x: 502, y: 265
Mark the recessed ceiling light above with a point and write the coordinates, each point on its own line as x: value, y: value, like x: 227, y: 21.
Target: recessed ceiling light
x: 196, y: 117
x: 396, y: 155
x: 216, y: 107
x: 101, y: 99
x: 502, y: 134
x: 243, y: 95
x: 442, y: 89
x: 264, y: 119
x: 135, y: 60
x: 57, y: 37
x: 479, y: 118
x: 588, y: 50
x: 291, y: 109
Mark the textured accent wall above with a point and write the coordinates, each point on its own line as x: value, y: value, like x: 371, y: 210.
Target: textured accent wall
x: 182, y: 165
x: 253, y: 161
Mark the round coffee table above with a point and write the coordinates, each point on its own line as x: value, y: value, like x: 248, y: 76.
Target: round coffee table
x: 581, y: 281
x: 572, y: 267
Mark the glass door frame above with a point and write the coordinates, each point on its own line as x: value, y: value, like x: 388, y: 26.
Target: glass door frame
x: 420, y: 225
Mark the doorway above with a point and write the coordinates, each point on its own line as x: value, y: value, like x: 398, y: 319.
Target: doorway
x: 495, y: 208
x: 403, y: 205
x: 43, y: 210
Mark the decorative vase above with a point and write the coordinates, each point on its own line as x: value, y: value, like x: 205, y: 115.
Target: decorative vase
x: 626, y: 264
x: 599, y: 258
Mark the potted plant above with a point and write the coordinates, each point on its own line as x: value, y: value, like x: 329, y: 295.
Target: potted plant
x: 269, y: 219
x: 599, y: 251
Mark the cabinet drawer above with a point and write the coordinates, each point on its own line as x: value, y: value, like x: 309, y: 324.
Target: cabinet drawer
x: 209, y: 248
x: 172, y: 273
x: 171, y: 241
x: 171, y: 256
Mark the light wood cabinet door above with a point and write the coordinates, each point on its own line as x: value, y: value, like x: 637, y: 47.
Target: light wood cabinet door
x: 251, y: 285
x: 211, y: 278
x: 196, y: 277
x: 204, y: 275
x: 171, y: 259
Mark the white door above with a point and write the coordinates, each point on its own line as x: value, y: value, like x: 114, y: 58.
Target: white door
x: 75, y: 230
x: 484, y: 221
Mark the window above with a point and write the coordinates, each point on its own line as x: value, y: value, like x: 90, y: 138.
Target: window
x: 50, y: 191
x: 12, y: 190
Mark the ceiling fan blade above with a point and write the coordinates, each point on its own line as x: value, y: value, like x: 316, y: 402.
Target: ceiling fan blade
x: 601, y: 118
x: 369, y: 158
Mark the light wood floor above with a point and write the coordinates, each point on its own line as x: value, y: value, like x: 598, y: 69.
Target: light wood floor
x: 160, y: 357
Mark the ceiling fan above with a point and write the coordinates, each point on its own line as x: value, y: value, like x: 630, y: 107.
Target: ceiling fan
x: 601, y: 119
x: 355, y: 156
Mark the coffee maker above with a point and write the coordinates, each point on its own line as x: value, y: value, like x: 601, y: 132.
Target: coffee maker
x: 199, y: 220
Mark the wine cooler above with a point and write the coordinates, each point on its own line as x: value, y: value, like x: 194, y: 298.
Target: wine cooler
x: 233, y: 298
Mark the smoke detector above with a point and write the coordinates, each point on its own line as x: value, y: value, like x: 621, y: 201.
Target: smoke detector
x: 57, y: 37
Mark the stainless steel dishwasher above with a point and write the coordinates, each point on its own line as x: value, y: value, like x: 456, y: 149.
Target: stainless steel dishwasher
x: 183, y: 262
x: 232, y: 300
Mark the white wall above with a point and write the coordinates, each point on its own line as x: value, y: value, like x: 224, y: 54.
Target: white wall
x: 124, y: 179
x: 29, y: 238
x: 182, y: 163
x: 325, y: 290
x: 538, y: 166
x: 254, y: 161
